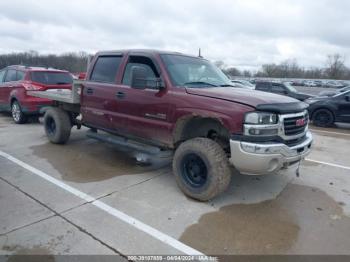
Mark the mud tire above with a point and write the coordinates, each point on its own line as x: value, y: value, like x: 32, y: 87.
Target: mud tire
x: 201, y: 168
x: 57, y: 125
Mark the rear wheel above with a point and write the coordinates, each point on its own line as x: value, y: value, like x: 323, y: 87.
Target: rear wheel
x: 201, y: 168
x: 323, y: 118
x: 17, y: 114
x: 57, y: 125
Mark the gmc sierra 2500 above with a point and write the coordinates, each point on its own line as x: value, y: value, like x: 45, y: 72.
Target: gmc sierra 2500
x: 156, y: 102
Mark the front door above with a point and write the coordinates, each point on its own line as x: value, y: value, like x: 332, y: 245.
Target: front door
x: 343, y: 102
x: 146, y: 111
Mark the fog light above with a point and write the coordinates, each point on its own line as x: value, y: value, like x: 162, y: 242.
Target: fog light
x: 262, y: 132
x: 254, y: 131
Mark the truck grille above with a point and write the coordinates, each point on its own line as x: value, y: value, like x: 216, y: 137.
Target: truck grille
x: 295, y: 125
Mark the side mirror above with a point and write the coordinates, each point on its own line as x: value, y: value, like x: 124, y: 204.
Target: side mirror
x: 139, y: 79
x: 347, y: 98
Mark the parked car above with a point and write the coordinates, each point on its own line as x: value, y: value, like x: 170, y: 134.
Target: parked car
x: 334, y: 92
x: 334, y: 84
x: 79, y: 75
x: 158, y: 102
x: 282, y: 89
x: 244, y: 83
x: 324, y: 111
x: 15, y: 81
x: 310, y: 83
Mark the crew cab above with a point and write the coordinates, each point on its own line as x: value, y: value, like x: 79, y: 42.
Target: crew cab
x: 285, y: 89
x: 166, y: 102
x: 15, y: 81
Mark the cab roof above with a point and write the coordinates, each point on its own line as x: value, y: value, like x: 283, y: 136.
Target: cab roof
x: 140, y: 51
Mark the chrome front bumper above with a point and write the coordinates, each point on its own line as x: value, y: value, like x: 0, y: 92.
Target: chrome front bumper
x: 262, y: 159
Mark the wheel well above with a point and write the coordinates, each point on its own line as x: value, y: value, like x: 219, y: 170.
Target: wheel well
x: 322, y: 108
x: 13, y: 99
x: 207, y: 127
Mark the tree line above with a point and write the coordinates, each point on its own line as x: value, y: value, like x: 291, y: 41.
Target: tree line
x: 73, y: 62
x: 334, y: 68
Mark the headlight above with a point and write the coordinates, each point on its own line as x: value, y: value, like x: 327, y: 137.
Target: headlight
x: 261, y: 118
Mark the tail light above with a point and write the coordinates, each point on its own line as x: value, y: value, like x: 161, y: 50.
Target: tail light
x: 32, y: 87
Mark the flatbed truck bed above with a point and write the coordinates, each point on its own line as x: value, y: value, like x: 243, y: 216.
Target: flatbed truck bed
x: 61, y: 95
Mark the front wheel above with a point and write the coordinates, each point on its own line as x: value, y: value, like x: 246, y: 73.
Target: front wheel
x: 57, y: 125
x: 17, y: 114
x: 323, y: 118
x: 201, y: 168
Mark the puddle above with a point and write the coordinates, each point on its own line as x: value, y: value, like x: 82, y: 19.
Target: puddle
x: 301, y: 220
x: 88, y: 160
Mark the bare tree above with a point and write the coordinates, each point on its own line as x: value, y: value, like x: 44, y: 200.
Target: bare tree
x: 335, y: 66
x: 232, y: 71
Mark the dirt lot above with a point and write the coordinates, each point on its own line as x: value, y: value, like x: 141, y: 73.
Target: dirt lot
x: 88, y: 197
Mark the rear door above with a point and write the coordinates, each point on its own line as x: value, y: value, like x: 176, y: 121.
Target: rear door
x: 10, y: 83
x: 99, y: 92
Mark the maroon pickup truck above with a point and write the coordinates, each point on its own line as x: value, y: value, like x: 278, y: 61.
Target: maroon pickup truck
x: 157, y: 102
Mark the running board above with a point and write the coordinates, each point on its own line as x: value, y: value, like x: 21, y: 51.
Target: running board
x: 130, y: 144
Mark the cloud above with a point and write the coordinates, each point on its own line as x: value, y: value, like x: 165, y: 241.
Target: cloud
x: 243, y: 33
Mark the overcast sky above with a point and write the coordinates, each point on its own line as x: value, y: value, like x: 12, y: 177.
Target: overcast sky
x: 242, y: 33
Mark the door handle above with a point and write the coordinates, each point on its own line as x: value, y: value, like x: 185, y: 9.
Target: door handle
x: 120, y: 94
x: 89, y: 91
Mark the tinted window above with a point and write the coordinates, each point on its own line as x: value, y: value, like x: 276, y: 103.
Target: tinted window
x: 2, y: 74
x: 20, y: 75
x: 51, y: 78
x: 263, y: 86
x: 11, y: 75
x: 139, y: 61
x: 105, y: 69
x: 277, y: 89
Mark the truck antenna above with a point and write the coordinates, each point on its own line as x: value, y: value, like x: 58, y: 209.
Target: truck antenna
x: 199, y: 53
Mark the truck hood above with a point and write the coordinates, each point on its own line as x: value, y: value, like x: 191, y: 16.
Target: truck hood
x: 239, y: 95
x: 262, y: 101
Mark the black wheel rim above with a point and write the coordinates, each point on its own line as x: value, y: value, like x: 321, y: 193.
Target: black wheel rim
x: 50, y: 126
x: 194, y: 170
x: 323, y: 118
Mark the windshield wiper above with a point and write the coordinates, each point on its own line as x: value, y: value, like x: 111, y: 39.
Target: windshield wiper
x: 62, y: 83
x: 199, y: 83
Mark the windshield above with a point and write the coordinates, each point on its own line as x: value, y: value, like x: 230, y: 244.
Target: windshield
x: 290, y: 87
x: 194, y: 72
x: 52, y: 78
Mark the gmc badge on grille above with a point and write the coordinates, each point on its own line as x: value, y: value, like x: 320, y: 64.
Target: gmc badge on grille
x: 300, y: 122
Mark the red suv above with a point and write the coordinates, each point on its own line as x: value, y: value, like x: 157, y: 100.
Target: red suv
x: 15, y: 81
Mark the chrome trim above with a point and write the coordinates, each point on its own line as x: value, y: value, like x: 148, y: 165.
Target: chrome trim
x: 263, y: 159
x: 279, y: 126
x: 279, y: 148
